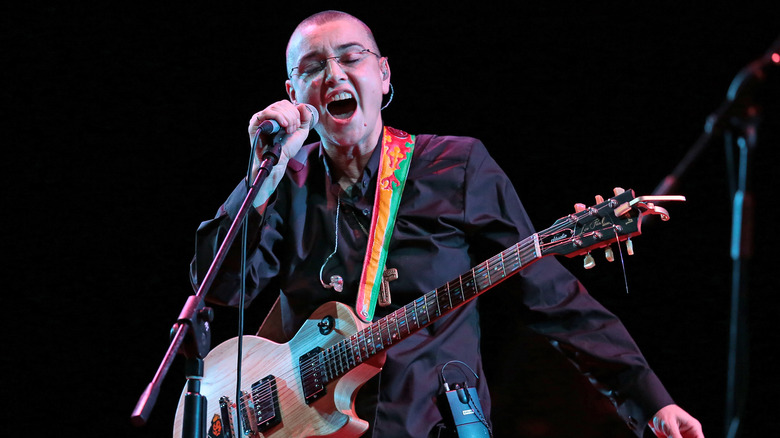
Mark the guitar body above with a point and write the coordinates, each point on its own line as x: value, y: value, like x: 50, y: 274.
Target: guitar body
x: 329, y: 415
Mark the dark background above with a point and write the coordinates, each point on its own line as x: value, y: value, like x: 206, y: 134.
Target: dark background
x: 124, y: 127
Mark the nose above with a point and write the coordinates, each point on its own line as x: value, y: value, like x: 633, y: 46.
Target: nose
x: 333, y: 71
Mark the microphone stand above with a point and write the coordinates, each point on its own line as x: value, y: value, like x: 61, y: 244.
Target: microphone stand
x: 738, y: 115
x: 191, y: 335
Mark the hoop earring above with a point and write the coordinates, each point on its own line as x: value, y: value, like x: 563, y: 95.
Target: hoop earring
x: 392, y: 93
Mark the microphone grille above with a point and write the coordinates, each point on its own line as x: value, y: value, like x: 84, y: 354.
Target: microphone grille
x: 315, y: 115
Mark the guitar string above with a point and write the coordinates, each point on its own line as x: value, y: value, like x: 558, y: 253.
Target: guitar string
x: 338, y: 352
x: 344, y: 355
x: 344, y: 350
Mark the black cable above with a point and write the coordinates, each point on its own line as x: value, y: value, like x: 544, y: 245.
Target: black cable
x: 242, y: 291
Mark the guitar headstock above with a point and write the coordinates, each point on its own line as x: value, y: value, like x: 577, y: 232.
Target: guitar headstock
x: 613, y: 220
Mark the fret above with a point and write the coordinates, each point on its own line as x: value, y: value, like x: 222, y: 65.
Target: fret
x: 503, y: 267
x: 336, y: 357
x: 330, y: 361
x: 330, y: 371
x: 469, y: 283
x: 384, y: 333
x: 358, y: 350
x: 456, y: 293
x: 333, y: 360
x: 365, y: 349
x: 537, y: 248
x: 376, y: 338
x: 343, y: 359
x: 403, y: 326
x: 392, y: 328
x: 364, y: 352
x: 493, y: 273
x: 432, y: 305
x: 368, y: 338
x: 449, y: 295
x: 346, y: 355
x: 354, y: 347
x: 516, y: 263
x: 481, y: 276
x: 443, y: 294
x: 411, y: 310
x: 421, y: 309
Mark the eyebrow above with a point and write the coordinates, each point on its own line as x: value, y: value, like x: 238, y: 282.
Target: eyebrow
x: 339, y: 49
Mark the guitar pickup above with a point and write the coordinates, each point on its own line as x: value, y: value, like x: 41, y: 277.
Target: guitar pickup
x: 312, y: 377
x: 259, y: 409
x: 266, y: 403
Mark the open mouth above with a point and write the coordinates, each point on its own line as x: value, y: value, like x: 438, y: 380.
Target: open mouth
x: 343, y: 106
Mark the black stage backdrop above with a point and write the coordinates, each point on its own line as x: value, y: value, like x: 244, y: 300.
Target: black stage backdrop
x: 124, y: 127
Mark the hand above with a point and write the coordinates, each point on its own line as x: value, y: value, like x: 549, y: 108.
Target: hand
x: 295, y: 121
x: 673, y: 422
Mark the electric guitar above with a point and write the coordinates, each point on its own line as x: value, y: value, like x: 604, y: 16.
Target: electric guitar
x: 306, y: 387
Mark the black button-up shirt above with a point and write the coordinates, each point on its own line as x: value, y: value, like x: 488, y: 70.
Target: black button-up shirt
x: 458, y: 209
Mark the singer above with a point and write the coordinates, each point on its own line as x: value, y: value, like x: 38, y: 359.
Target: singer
x: 319, y: 220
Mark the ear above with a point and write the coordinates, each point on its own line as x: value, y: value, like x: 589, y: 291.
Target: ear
x: 290, y: 90
x: 384, y: 68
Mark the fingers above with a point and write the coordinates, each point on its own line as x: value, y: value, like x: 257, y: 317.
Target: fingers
x: 283, y: 112
x: 673, y: 422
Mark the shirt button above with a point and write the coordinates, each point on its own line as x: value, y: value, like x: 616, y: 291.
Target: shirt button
x: 366, y: 212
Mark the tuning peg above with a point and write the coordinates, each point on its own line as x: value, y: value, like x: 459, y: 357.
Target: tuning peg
x: 599, y: 199
x: 579, y: 207
x: 589, y: 262
x: 608, y: 254
x: 630, y: 247
x: 618, y: 190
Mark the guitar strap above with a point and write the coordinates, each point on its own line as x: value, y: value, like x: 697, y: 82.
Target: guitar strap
x: 394, y: 162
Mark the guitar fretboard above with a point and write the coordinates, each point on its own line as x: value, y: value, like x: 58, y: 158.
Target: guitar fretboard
x: 364, y: 344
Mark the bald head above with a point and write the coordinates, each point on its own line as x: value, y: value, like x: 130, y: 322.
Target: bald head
x: 319, y: 19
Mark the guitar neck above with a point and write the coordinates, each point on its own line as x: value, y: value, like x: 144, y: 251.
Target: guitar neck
x: 397, y: 326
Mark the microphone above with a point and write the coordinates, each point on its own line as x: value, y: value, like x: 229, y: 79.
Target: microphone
x: 272, y: 126
x: 742, y: 89
x: 273, y: 150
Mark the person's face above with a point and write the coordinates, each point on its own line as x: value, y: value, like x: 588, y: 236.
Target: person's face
x: 347, y: 94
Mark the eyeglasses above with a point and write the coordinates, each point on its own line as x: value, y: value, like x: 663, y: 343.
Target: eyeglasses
x: 347, y: 60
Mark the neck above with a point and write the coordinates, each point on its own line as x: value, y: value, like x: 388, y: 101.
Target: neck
x: 349, y: 160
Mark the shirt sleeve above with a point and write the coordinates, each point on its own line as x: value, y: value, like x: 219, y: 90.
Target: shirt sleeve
x: 556, y: 305
x: 262, y: 264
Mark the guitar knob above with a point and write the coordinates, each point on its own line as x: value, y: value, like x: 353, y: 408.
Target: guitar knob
x: 629, y: 247
x: 579, y: 207
x: 589, y: 262
x: 599, y: 199
x: 618, y: 190
x: 608, y: 254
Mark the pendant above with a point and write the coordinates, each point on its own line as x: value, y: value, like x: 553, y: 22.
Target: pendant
x: 389, y: 275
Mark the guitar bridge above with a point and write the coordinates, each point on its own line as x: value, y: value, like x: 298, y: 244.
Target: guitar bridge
x: 312, y: 378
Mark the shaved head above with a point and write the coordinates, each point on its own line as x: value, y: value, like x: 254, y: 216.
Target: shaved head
x: 318, y: 19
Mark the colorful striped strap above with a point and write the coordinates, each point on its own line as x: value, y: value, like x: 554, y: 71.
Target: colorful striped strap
x: 397, y: 148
